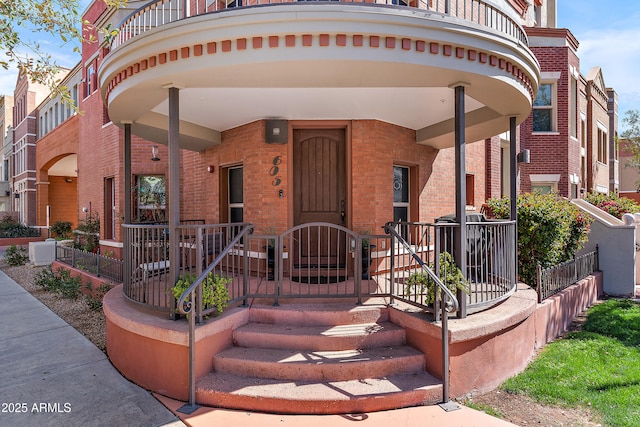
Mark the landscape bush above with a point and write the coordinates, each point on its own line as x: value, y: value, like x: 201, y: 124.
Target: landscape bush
x: 550, y: 231
x: 60, y: 281
x: 61, y: 229
x: 613, y: 203
x: 16, y: 255
x: 12, y: 228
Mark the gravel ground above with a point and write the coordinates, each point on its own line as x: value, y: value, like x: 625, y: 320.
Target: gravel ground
x: 520, y: 410
x: 76, y: 312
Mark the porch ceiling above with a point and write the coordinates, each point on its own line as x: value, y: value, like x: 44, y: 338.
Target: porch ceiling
x: 226, y: 108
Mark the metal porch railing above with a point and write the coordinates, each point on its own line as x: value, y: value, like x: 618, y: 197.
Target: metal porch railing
x: 554, y: 279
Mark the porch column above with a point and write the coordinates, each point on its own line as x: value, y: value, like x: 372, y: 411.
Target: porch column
x: 127, y: 173
x: 513, y: 192
x: 461, y: 192
x: 173, y: 184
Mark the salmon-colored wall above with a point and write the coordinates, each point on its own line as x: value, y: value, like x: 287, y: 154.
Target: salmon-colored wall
x: 488, y: 347
x: 55, y: 191
x: 159, y: 366
x: 556, y: 313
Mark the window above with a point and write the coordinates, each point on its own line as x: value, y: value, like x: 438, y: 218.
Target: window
x: 89, y: 83
x: 151, y: 198
x: 602, y: 145
x: 109, y: 208
x: 236, y: 195
x: 543, y: 109
x: 543, y: 188
x: 544, y: 183
x: 401, y: 194
x: 573, y: 108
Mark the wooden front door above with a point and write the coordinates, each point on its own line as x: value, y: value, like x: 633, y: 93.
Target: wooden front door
x: 319, y: 184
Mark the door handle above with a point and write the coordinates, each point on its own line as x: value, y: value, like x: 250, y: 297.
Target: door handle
x: 342, y: 211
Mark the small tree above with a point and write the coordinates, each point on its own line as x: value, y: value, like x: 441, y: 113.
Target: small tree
x: 58, y: 18
x: 630, y: 139
x: 550, y: 231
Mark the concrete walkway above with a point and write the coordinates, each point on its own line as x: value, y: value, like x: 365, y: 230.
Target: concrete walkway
x: 51, y: 375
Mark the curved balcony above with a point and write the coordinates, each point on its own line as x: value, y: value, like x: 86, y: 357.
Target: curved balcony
x: 319, y: 61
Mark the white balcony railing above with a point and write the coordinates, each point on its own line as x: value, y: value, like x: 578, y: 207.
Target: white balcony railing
x: 162, y: 12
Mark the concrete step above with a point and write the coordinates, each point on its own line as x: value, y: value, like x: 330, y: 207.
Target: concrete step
x: 304, y: 397
x: 342, y: 365
x: 319, y: 314
x: 332, y: 337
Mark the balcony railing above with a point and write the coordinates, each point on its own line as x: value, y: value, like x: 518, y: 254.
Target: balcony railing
x: 156, y: 14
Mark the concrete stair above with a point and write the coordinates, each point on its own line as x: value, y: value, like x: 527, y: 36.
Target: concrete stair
x: 319, y: 359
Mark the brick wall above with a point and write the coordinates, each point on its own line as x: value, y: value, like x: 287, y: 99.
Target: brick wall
x: 554, y: 152
x: 53, y: 147
x: 375, y: 147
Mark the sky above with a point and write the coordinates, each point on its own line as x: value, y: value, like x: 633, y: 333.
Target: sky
x: 609, y: 37
x: 608, y: 33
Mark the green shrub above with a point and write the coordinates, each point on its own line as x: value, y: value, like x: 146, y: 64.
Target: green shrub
x: 61, y: 229
x: 214, y: 290
x: 11, y: 228
x: 550, y: 231
x: 95, y: 302
x: 88, y: 236
x: 60, y: 282
x: 420, y: 283
x: 16, y: 255
x: 47, y: 280
x: 613, y: 204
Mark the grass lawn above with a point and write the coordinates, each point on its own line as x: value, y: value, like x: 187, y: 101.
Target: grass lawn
x: 598, y: 367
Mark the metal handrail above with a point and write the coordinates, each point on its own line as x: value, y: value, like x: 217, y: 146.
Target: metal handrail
x: 157, y: 13
x: 186, y: 307
x: 449, y: 304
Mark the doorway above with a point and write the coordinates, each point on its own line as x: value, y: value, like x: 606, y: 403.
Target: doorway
x: 319, y: 190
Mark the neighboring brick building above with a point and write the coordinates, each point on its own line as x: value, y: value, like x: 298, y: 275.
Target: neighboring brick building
x: 56, y: 157
x: 27, y: 96
x: 6, y: 137
x: 571, y: 128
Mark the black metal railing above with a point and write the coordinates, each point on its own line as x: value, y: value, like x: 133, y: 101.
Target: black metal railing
x: 96, y: 264
x: 148, y: 277
x: 490, y: 274
x: 484, y: 13
x: 554, y: 279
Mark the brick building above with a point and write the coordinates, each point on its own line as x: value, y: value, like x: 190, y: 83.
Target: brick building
x: 6, y: 135
x: 573, y: 124
x: 27, y: 96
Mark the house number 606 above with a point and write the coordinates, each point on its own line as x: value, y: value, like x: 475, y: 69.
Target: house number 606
x: 275, y: 169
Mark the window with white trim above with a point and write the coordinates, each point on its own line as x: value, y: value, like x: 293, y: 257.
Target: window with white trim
x: 602, y: 146
x: 544, y: 110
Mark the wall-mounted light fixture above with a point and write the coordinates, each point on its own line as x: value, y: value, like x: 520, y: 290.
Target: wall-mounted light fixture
x: 276, y: 132
x: 524, y: 156
x: 154, y: 153
x: 211, y: 169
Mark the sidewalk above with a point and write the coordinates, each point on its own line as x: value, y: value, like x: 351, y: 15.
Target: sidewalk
x: 53, y: 376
